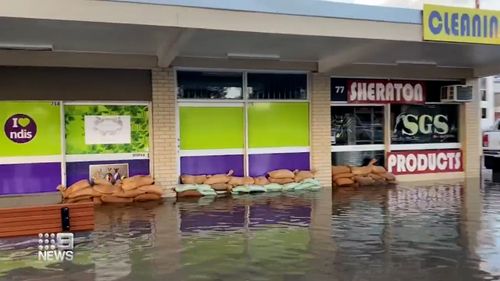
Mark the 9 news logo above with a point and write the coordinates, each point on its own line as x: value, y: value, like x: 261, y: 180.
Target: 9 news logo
x: 55, y: 247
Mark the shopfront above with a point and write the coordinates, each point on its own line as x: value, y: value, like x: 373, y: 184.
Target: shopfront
x: 403, y: 124
x: 248, y: 122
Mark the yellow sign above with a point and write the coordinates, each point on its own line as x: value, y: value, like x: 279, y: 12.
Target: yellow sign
x: 450, y: 24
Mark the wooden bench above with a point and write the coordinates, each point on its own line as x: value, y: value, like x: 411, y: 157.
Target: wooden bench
x: 55, y: 218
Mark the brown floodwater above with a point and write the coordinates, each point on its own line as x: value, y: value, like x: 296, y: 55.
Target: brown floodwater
x: 445, y: 231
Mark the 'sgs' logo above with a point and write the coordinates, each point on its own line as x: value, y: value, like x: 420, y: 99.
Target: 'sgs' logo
x: 411, y: 124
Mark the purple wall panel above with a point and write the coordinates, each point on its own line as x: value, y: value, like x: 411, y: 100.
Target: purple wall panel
x: 209, y: 165
x: 260, y: 164
x: 76, y: 171
x: 29, y: 178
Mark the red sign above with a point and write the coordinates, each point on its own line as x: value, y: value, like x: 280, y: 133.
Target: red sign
x: 385, y: 91
x: 424, y: 161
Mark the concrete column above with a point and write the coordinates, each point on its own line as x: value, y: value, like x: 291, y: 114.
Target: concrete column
x: 471, y: 134
x: 164, y: 152
x: 321, y: 159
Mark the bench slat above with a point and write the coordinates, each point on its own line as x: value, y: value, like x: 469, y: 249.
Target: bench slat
x: 57, y: 215
x: 47, y: 208
x: 43, y: 221
x: 43, y: 224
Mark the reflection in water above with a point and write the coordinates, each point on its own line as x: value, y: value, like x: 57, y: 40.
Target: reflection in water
x: 434, y: 232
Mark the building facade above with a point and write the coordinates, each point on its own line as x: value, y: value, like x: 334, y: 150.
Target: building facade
x: 119, y: 88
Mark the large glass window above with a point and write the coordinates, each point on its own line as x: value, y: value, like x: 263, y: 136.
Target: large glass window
x: 358, y: 158
x: 271, y: 86
x: 417, y: 124
x: 357, y: 125
x: 209, y: 85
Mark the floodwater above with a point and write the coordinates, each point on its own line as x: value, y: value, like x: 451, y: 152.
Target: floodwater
x: 447, y: 231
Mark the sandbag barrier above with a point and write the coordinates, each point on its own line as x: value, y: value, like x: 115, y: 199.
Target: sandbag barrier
x: 225, y: 184
x: 370, y: 175
x: 134, y: 189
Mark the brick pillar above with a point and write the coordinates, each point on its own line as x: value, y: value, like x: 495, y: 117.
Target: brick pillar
x: 471, y: 134
x: 321, y: 128
x: 164, y: 152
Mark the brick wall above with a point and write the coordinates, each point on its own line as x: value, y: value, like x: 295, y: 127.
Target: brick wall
x: 164, y: 152
x: 471, y: 135
x: 320, y: 128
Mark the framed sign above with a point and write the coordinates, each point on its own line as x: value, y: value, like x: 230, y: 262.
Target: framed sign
x: 414, y: 124
x: 424, y: 161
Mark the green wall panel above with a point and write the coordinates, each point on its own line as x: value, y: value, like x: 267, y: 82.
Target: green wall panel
x: 74, y: 119
x: 38, y: 129
x: 211, y: 127
x: 278, y: 124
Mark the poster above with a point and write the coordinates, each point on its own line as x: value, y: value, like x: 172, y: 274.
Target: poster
x: 107, y: 129
x: 109, y: 172
x: 30, y: 129
x: 413, y: 124
x: 120, y: 129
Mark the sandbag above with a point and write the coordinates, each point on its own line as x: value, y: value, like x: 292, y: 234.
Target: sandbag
x: 189, y: 193
x: 361, y: 171
x: 281, y: 174
x: 256, y: 188
x: 340, y: 170
x: 136, y: 181
x: 200, y: 179
x: 303, y: 175
x: 77, y: 186
x: 185, y: 187
x: 290, y: 186
x: 376, y: 177
x: 114, y: 199
x: 147, y: 197
x: 188, y: 179
x: 219, y: 178
x: 207, y: 192
x: 273, y: 187
x: 235, y: 181
x: 311, y: 186
x: 62, y: 189
x: 248, y: 181
x: 378, y: 170
x: 84, y: 198
x: 343, y: 175
x: 105, y: 189
x: 97, y: 200
x: 240, y: 189
x: 152, y: 189
x: 261, y: 180
x: 389, y: 176
x: 100, y: 181
x: 364, y: 181
x: 281, y: 180
x: 344, y: 182
x: 221, y: 187
x: 312, y: 181
x: 128, y: 193
x: 83, y: 192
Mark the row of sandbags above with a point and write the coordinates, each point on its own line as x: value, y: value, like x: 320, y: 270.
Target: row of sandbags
x: 198, y: 190
x: 219, y: 181
x: 369, y: 175
x: 127, y: 190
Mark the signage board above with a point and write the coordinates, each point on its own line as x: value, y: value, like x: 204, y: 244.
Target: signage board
x: 463, y: 25
x: 381, y: 91
x: 436, y: 123
x: 424, y: 161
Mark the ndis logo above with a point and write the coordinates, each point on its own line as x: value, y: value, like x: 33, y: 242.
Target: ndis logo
x: 20, y: 128
x: 55, y: 247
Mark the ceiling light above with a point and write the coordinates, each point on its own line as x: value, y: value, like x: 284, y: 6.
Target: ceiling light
x: 26, y: 47
x: 253, y: 56
x: 416, y: 62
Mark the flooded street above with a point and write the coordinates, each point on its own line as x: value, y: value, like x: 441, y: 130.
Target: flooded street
x: 412, y: 232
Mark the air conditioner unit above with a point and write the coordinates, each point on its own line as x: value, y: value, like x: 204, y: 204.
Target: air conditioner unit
x: 456, y: 93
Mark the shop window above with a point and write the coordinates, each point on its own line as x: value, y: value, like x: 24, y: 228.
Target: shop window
x: 277, y: 86
x: 483, y: 95
x: 483, y: 113
x: 418, y: 124
x: 209, y: 85
x: 357, y: 125
x: 358, y: 158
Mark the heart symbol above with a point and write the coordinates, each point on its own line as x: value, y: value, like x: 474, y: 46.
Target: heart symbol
x: 24, y: 122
